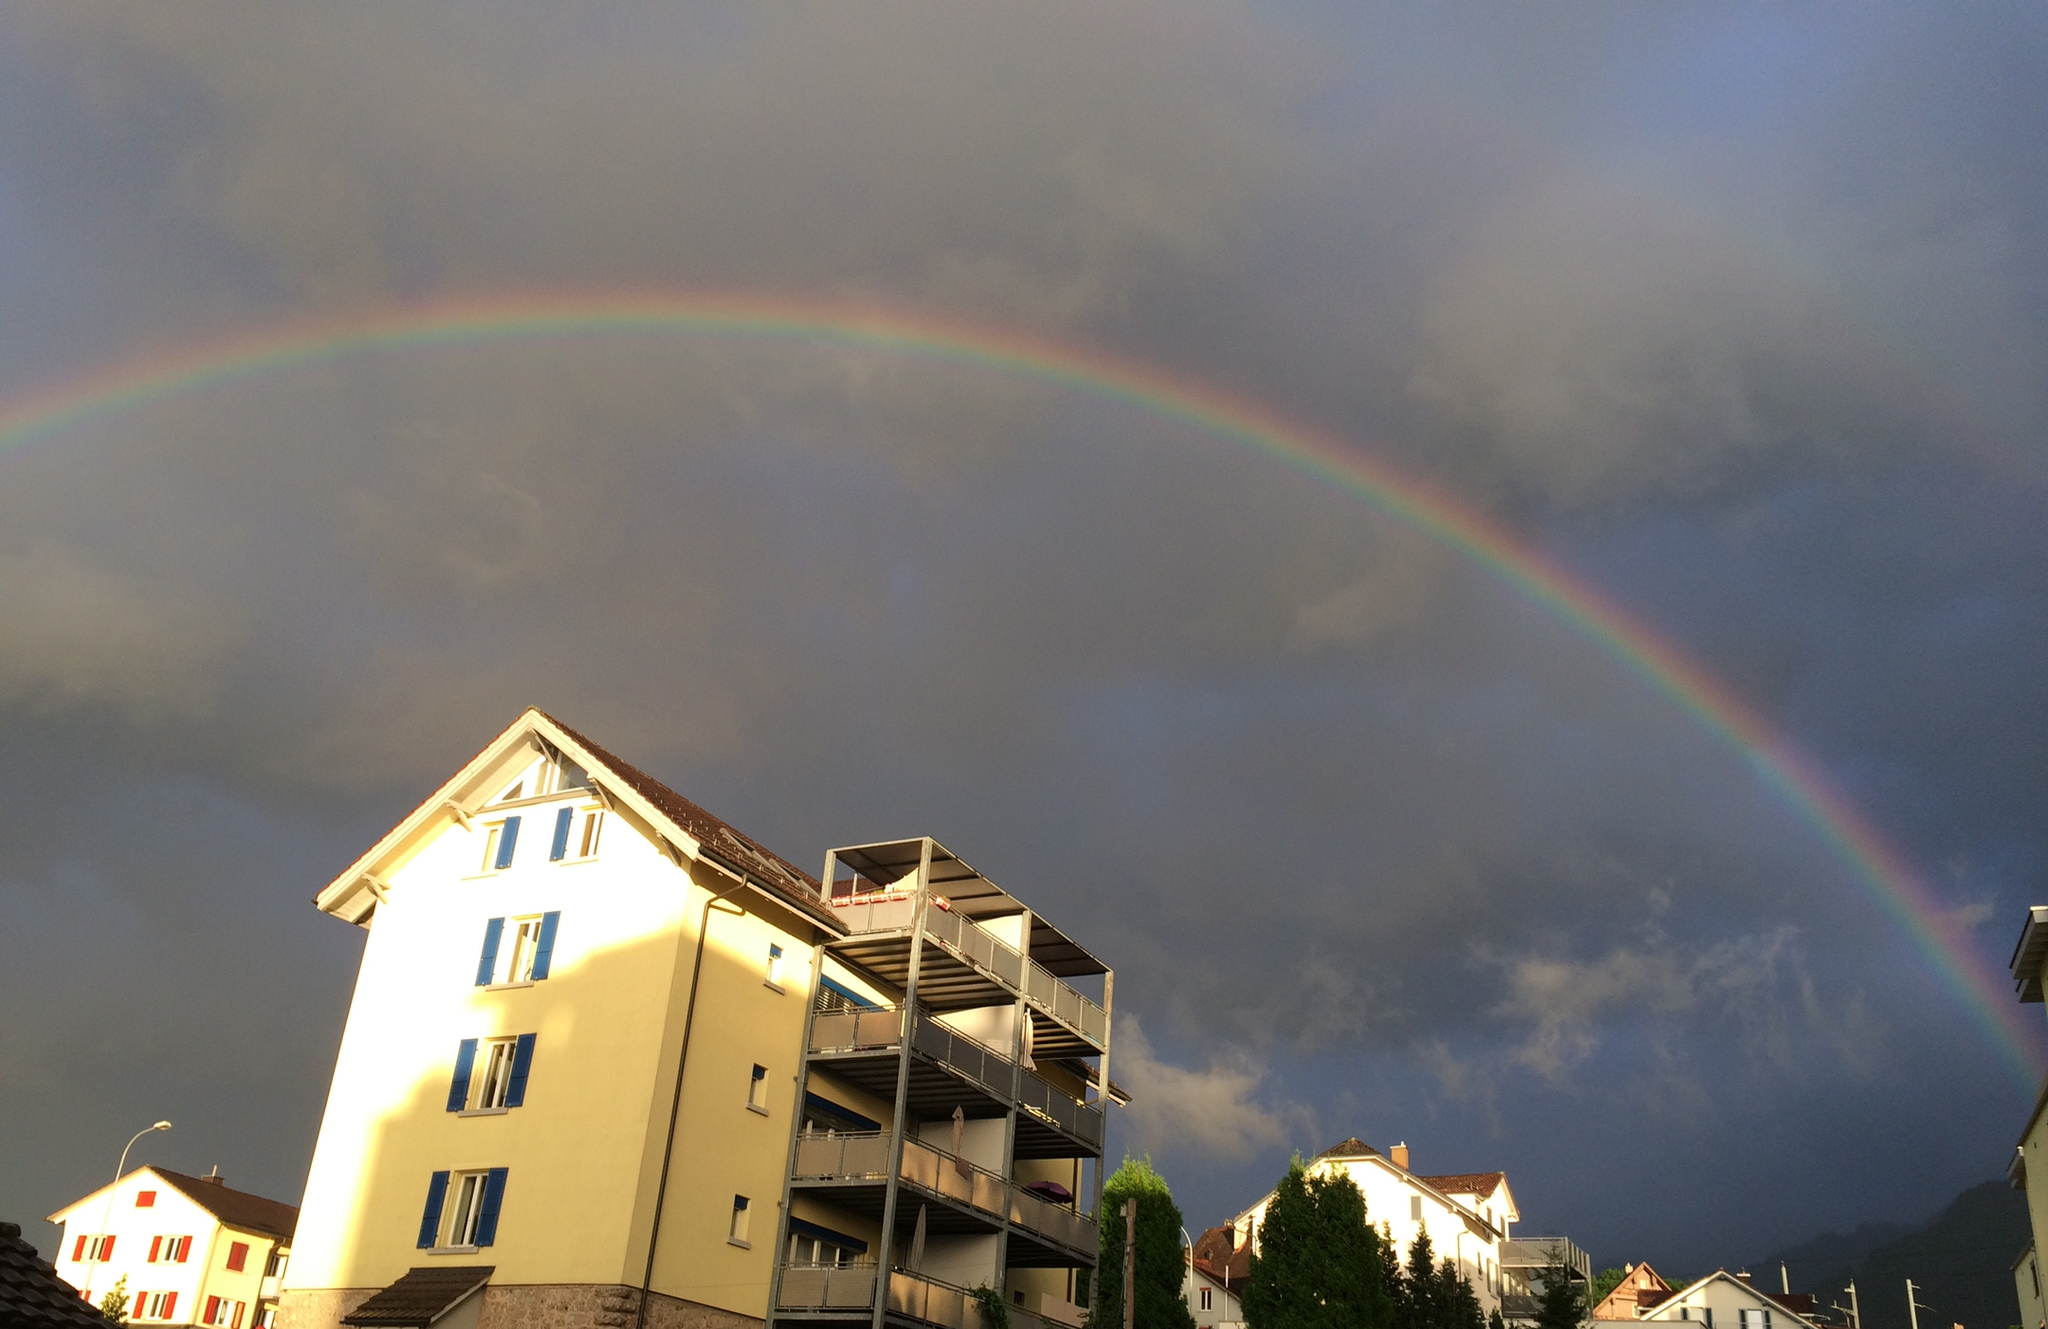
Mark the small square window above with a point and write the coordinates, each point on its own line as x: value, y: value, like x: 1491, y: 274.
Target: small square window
x: 757, y: 1090
x: 145, y: 1199
x: 741, y: 1211
x: 775, y: 966
x: 1415, y: 1208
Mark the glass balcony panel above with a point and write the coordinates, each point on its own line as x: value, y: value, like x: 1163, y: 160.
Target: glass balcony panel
x: 876, y: 915
x: 842, y: 1031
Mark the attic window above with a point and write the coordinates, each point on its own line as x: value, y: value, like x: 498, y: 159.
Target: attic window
x: 514, y: 792
x: 145, y: 1199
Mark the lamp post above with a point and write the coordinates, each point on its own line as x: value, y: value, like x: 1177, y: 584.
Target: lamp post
x: 1191, y: 1265
x: 107, y: 1213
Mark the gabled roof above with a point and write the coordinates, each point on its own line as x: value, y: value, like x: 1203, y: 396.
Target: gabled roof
x: 1349, y: 1148
x: 1481, y: 1184
x: 421, y: 1296
x: 1764, y: 1299
x: 32, y: 1296
x: 688, y: 830
x: 238, y: 1209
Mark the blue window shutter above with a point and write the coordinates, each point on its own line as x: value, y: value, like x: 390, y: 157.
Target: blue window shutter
x: 494, y: 1195
x: 544, y: 949
x: 458, y: 1088
x: 487, y: 963
x: 506, y: 843
x: 430, y: 1221
x: 560, y: 848
x: 522, y: 1062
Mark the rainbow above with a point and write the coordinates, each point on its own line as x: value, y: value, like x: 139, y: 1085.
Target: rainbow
x: 1878, y: 867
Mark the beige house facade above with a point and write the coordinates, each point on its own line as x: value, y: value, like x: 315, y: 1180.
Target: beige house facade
x: 610, y: 1062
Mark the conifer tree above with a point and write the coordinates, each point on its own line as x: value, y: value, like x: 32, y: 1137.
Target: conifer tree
x: 1560, y: 1305
x: 1161, y: 1272
x: 1319, y: 1264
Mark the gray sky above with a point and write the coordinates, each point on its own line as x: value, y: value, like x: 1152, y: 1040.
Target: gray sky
x: 1737, y: 312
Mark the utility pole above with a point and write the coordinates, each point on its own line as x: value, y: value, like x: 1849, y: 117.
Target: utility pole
x: 1855, y: 1312
x: 1131, y: 1263
x: 1913, y: 1306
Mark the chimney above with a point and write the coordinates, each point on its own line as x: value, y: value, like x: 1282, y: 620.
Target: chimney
x: 1399, y: 1155
x: 1743, y: 1274
x: 215, y: 1177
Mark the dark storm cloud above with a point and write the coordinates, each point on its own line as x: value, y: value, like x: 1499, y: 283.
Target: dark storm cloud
x: 1377, y: 846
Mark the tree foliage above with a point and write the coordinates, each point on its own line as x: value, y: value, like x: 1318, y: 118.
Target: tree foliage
x: 1319, y: 1264
x: 1561, y: 1304
x: 1161, y: 1271
x: 1431, y: 1294
x: 115, y: 1304
x: 1604, y: 1283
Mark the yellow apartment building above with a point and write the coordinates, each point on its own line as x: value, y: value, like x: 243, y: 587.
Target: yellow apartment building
x: 610, y: 1062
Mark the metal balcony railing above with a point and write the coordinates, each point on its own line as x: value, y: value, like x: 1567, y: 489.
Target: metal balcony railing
x: 933, y: 1302
x: 852, y: 1031
x: 865, y: 1156
x: 811, y: 1287
x: 1025, y: 977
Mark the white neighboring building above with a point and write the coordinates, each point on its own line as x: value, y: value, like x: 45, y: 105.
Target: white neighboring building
x: 1723, y: 1301
x: 1467, y: 1215
x: 1210, y: 1298
x: 194, y: 1252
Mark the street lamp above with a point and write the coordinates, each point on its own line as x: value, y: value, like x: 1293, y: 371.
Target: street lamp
x: 107, y: 1213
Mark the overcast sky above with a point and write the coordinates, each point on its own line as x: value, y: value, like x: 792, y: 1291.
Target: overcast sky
x: 1738, y: 312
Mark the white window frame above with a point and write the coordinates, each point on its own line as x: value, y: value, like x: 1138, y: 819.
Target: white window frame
x: 1207, y: 1296
x: 224, y: 1312
x: 589, y: 834
x: 495, y: 1081
x: 466, y: 1189
x: 757, y: 1090
x: 774, y: 971
x: 742, y: 1221
x: 522, y: 939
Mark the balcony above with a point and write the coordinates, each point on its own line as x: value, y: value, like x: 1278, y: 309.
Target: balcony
x: 1050, y: 1122
x: 1078, y: 1026
x: 845, y: 1161
x: 841, y: 1292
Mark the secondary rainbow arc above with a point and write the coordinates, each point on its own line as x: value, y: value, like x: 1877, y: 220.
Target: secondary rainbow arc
x: 1877, y: 866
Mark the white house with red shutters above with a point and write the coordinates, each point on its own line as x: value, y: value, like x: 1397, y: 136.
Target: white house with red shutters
x: 193, y: 1251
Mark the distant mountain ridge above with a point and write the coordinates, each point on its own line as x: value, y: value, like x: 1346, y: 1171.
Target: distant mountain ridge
x: 1960, y: 1262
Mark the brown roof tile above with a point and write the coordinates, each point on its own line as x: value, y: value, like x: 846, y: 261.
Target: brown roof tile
x: 420, y: 1296
x: 235, y: 1208
x: 32, y: 1296
x: 723, y: 840
x: 1481, y: 1184
x: 1351, y: 1148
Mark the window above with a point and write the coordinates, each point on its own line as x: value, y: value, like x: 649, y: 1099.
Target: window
x: 156, y: 1305
x: 462, y: 1210
x: 757, y: 1090
x: 177, y: 1249
x: 223, y: 1312
x: 569, y: 835
x: 238, y: 1256
x: 1754, y: 1319
x: 740, y: 1213
x: 821, y: 1247
x: 501, y: 839
x: 501, y: 1084
x: 1415, y: 1208
x: 525, y: 957
x: 145, y: 1199
x: 273, y: 1268
x: 265, y: 1318
x: 1206, y: 1294
x: 93, y: 1250
x: 775, y: 967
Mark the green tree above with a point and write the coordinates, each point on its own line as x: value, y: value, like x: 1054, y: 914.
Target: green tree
x: 1161, y: 1271
x: 1319, y: 1264
x: 115, y: 1304
x: 1431, y: 1294
x: 1560, y: 1305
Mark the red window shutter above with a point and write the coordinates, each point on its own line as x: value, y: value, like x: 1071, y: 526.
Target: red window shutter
x: 239, y: 1306
x: 107, y: 1249
x: 145, y: 1199
x: 184, y: 1250
x: 170, y: 1305
x: 78, y: 1251
x: 156, y: 1244
x: 212, y: 1308
x: 238, y: 1255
